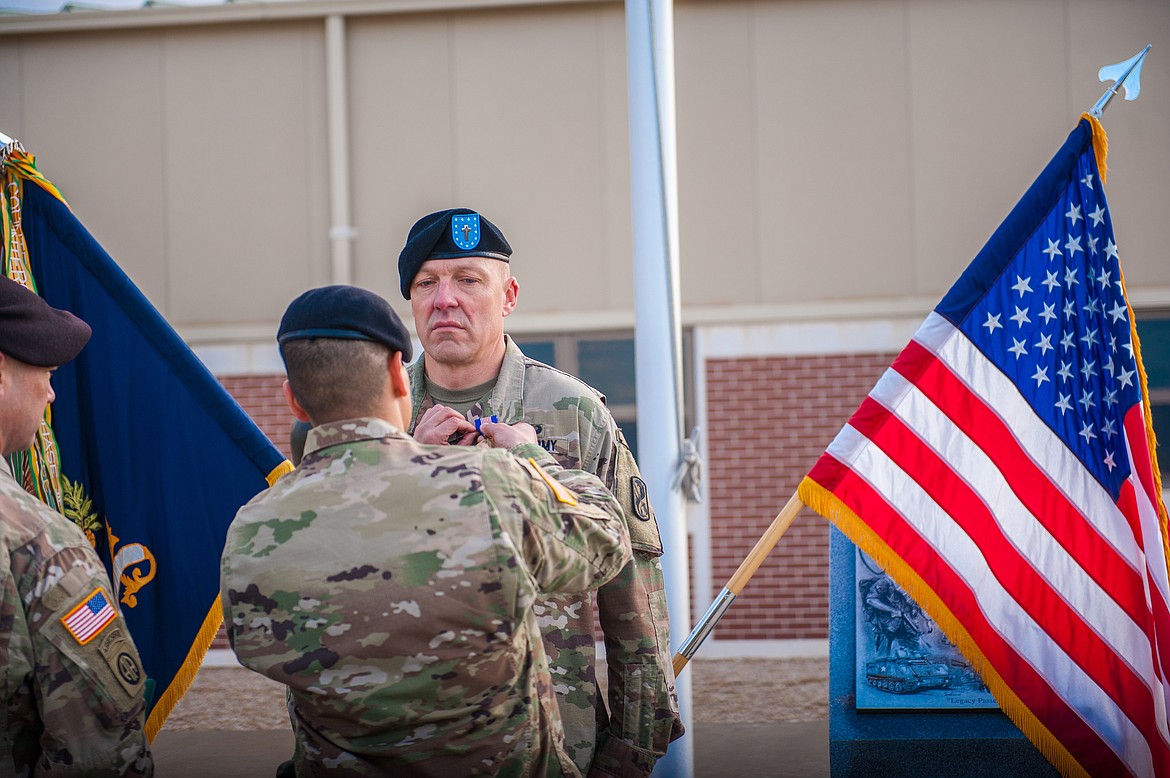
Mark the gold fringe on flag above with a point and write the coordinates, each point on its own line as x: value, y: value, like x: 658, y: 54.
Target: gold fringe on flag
x: 284, y: 468
x: 186, y: 673
x: 828, y: 505
x: 1100, y: 143
x: 1151, y: 438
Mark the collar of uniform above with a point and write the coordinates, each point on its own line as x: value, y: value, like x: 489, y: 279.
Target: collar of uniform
x: 6, y: 468
x: 349, y: 431
x: 509, y: 383
x: 417, y: 371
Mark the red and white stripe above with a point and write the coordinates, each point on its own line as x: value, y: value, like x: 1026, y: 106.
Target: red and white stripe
x: 1063, y: 590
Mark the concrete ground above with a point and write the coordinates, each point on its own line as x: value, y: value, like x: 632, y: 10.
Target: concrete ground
x: 780, y: 750
x: 751, y: 718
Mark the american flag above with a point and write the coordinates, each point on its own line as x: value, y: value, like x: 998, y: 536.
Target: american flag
x: 90, y: 617
x: 1001, y: 472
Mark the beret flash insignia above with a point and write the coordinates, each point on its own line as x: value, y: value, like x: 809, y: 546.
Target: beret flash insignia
x: 465, y: 230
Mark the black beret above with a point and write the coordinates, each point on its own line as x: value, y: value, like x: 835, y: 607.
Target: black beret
x: 34, y: 332
x: 345, y: 313
x: 449, y: 234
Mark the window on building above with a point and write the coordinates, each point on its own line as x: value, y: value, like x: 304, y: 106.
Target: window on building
x: 605, y: 361
x: 1154, y: 333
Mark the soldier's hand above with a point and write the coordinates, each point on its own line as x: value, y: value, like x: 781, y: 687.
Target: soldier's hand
x: 507, y: 435
x: 442, y: 426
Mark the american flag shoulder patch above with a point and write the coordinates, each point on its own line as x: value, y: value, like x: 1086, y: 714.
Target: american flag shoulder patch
x: 90, y: 617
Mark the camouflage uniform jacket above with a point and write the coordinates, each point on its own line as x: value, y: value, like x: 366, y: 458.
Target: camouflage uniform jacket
x: 389, y: 585
x: 573, y: 424
x: 71, y: 683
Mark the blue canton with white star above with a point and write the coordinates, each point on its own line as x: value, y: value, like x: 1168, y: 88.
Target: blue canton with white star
x: 1056, y: 322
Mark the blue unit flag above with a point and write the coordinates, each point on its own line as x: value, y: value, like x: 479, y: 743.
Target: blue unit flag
x: 153, y: 455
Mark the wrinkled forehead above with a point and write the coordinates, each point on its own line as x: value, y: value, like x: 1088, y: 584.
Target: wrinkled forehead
x: 481, y: 266
x: 23, y: 372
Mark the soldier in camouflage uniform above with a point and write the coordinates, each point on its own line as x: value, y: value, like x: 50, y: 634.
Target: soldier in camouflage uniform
x: 71, y: 683
x: 389, y: 584
x: 454, y: 270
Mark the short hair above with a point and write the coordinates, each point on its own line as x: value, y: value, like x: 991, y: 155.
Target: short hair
x: 334, y: 378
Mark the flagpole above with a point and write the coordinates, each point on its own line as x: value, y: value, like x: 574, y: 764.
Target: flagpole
x: 657, y: 335
x: 747, y: 568
x: 1132, y: 67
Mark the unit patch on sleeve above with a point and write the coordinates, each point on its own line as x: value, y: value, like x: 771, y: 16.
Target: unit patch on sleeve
x: 639, y: 498
x: 119, y: 654
x: 87, y: 620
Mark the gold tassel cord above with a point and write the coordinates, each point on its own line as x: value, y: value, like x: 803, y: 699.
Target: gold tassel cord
x: 23, y: 165
x: 37, y: 468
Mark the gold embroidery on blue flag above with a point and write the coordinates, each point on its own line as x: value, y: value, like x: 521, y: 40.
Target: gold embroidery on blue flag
x: 125, y: 560
x: 78, y: 508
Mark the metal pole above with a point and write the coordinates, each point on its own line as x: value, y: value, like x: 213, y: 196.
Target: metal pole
x: 747, y: 568
x: 341, y: 234
x: 658, y: 337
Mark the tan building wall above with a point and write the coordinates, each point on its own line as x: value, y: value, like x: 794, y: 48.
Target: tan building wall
x: 833, y: 154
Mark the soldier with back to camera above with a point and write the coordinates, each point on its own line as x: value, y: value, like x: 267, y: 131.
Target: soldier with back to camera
x: 390, y: 584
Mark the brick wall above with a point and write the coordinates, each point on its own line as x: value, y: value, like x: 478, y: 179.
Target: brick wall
x: 261, y: 397
x: 768, y: 419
